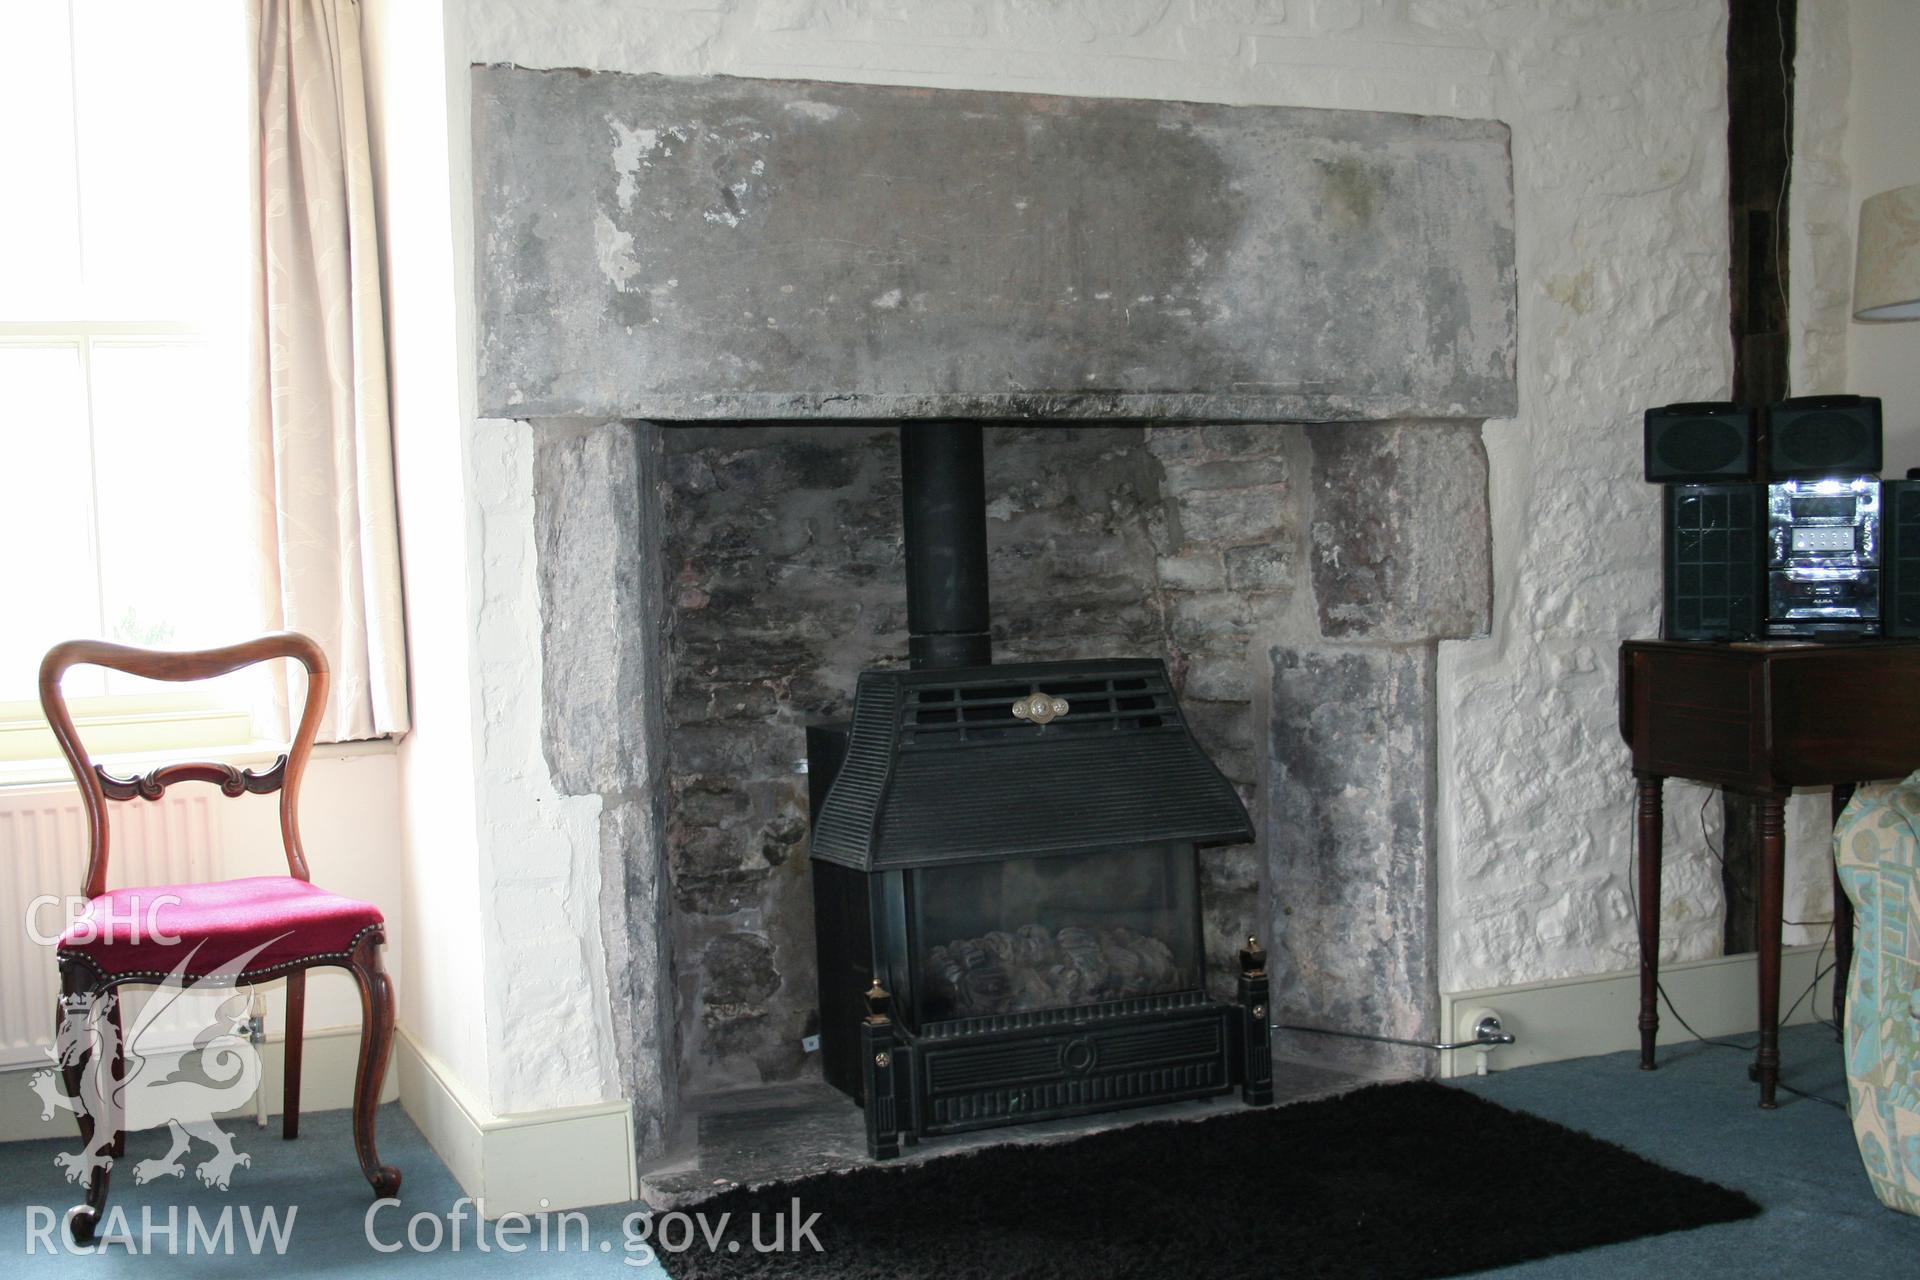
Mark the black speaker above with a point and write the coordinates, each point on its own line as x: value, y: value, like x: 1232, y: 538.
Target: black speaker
x: 1900, y: 558
x: 1824, y: 436
x: 1699, y: 443
x: 1715, y: 559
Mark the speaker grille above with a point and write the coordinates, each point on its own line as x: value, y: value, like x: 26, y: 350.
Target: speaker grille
x: 1901, y: 546
x: 1824, y: 435
x: 1821, y: 442
x: 1699, y: 446
x: 1713, y: 565
x: 1706, y: 443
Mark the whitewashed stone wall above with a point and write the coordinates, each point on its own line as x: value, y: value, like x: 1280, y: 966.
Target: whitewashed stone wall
x: 542, y: 873
x: 1618, y: 118
x: 1623, y: 297
x: 1820, y: 214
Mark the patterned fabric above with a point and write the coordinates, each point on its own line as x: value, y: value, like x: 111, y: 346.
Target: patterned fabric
x: 1876, y: 847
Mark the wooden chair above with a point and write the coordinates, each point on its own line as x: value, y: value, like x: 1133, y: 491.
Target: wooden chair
x: 260, y: 928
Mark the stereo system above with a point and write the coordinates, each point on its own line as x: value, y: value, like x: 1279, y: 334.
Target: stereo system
x: 1699, y: 443
x: 1900, y: 557
x: 1823, y: 556
x: 1823, y: 436
x: 1712, y: 550
x: 1777, y: 524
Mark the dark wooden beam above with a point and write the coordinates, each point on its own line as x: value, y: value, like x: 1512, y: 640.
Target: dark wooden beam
x: 1760, y: 52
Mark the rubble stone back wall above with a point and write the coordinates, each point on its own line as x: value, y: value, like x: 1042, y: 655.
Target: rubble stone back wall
x: 784, y: 578
x: 1204, y: 545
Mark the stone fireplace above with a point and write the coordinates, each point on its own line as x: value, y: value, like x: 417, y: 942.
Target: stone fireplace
x: 1235, y: 362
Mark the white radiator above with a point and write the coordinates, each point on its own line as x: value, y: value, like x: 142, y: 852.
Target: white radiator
x: 43, y: 851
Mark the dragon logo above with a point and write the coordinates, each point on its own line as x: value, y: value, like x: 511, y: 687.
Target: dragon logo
x: 218, y: 1073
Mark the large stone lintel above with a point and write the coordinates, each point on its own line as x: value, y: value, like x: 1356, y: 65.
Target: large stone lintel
x: 713, y: 248
x: 1280, y: 405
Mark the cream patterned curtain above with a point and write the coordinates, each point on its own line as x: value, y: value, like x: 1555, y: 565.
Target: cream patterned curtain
x: 322, y: 449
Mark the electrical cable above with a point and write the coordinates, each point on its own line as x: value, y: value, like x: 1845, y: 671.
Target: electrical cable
x: 1706, y: 838
x: 1633, y: 897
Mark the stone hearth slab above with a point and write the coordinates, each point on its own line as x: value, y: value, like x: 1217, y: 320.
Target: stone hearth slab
x: 775, y: 1133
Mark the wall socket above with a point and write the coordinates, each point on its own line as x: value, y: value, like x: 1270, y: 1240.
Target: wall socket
x: 810, y: 1044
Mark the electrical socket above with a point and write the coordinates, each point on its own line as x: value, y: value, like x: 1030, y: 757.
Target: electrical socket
x: 810, y: 1044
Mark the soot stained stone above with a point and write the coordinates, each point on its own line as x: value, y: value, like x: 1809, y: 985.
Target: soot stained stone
x: 1350, y: 811
x: 779, y: 562
x: 713, y: 248
x: 603, y: 658
x: 739, y: 970
x: 1400, y: 546
x: 783, y: 562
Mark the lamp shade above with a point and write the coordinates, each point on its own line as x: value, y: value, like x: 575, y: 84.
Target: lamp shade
x: 1886, y: 272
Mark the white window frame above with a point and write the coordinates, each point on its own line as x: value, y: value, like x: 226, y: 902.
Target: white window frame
x: 154, y: 724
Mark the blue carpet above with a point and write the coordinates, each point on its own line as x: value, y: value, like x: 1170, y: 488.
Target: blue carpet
x: 1695, y: 1114
x: 318, y: 1177
x: 1698, y: 1114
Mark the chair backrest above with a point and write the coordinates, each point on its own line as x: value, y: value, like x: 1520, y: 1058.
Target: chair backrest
x: 97, y: 786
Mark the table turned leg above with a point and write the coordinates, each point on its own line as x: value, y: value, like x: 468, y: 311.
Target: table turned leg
x: 1842, y: 914
x: 1647, y: 813
x: 1773, y: 849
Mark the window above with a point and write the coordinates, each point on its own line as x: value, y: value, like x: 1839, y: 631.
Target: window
x: 126, y: 510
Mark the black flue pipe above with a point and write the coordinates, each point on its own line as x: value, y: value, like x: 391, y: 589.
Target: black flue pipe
x: 944, y: 499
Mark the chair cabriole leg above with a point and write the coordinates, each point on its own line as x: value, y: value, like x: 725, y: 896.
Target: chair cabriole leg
x: 96, y: 1094
x: 376, y: 1042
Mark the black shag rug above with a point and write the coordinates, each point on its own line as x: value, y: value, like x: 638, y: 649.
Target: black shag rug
x: 1399, y: 1180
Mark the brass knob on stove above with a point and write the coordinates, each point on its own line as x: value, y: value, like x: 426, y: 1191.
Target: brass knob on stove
x: 1040, y: 707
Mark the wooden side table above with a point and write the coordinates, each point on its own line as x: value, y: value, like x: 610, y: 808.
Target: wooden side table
x: 1761, y: 718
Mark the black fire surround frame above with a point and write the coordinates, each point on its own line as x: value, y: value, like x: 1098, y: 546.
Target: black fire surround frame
x: 889, y: 795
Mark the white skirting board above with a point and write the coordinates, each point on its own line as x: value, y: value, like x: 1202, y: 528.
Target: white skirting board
x: 1582, y: 1017
x: 326, y: 1084
x: 566, y: 1158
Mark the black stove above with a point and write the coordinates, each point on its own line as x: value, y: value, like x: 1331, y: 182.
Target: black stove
x: 1005, y: 875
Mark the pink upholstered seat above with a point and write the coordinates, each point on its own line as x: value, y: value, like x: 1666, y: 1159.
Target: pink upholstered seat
x: 150, y: 929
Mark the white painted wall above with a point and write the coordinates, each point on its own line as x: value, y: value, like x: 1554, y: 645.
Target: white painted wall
x: 1822, y: 209
x: 507, y: 991
x: 350, y: 827
x: 417, y: 172
x: 1618, y: 122
x: 1883, y: 151
x: 551, y: 1041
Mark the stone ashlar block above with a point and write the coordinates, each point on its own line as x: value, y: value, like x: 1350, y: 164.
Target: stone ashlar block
x: 1268, y: 568
x: 1217, y: 622
x: 591, y: 542
x: 1226, y: 473
x: 634, y: 930
x: 716, y: 248
x: 1215, y: 678
x: 1199, y: 570
x: 1217, y: 441
x: 1230, y: 516
x: 597, y: 536
x: 1350, y: 844
x: 1402, y: 544
x: 1221, y: 726
x: 739, y: 970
